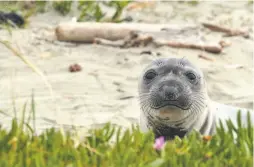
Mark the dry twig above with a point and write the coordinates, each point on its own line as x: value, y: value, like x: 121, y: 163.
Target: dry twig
x: 205, y: 57
x: 205, y: 47
x: 227, y: 31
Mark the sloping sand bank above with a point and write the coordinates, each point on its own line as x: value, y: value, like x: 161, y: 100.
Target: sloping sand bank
x: 106, y: 88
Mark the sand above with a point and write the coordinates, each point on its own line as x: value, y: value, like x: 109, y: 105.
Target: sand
x: 106, y: 88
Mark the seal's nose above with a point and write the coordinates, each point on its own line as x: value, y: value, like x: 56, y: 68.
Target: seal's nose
x: 170, y: 92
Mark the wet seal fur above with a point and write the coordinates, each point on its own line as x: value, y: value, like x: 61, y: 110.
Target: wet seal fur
x: 174, y: 100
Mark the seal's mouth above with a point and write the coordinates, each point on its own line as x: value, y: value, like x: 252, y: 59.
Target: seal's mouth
x: 183, y: 102
x: 170, y: 105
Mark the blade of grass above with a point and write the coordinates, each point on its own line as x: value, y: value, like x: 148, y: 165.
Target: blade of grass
x: 4, y: 113
x: 13, y: 99
x: 23, y: 117
x: 33, y: 67
x: 28, y: 62
x: 33, y: 112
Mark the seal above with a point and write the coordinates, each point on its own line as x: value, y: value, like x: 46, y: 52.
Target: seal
x: 174, y: 100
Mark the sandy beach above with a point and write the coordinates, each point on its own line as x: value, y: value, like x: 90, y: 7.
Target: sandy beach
x: 106, y: 88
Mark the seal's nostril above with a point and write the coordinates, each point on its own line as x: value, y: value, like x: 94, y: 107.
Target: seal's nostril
x: 170, y: 93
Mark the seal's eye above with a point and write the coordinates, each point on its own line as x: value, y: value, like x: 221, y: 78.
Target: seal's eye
x: 191, y: 76
x: 150, y: 75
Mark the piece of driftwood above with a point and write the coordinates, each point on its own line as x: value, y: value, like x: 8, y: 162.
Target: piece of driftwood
x: 205, y: 57
x: 224, y: 43
x: 205, y: 47
x: 106, y: 42
x: 180, y: 39
x: 135, y: 35
x: 88, y: 31
x: 140, y: 40
x: 228, y: 31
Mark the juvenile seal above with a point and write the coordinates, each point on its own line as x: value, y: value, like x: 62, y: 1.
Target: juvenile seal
x: 174, y: 100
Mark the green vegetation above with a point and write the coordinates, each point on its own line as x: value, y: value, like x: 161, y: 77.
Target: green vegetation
x: 20, y: 147
x: 191, y: 2
x: 63, y: 7
x: 90, y: 11
x: 87, y: 10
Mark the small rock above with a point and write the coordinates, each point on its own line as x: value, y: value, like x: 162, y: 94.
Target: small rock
x: 75, y: 68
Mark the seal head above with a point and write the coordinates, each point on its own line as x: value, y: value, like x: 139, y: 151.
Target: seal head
x: 172, y: 95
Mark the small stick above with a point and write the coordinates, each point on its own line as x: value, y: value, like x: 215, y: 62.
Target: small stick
x: 208, y: 48
x: 137, y: 39
x: 234, y: 66
x: 205, y: 57
x: 106, y: 42
x: 228, y: 31
x: 126, y: 97
x: 144, y: 40
x: 224, y: 43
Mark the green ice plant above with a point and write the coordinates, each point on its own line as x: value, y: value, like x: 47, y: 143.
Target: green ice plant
x: 113, y: 146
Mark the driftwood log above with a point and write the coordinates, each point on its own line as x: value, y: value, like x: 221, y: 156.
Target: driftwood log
x: 88, y: 31
x: 228, y: 31
x: 135, y: 35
